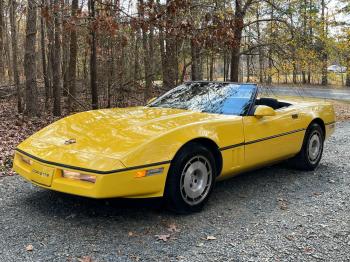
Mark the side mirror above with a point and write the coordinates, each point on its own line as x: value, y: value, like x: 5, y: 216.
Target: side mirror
x: 151, y: 100
x: 262, y: 111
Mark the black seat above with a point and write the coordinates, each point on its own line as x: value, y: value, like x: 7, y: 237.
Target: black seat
x: 271, y: 102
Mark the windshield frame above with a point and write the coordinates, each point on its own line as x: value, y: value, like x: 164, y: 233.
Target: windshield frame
x: 251, y: 100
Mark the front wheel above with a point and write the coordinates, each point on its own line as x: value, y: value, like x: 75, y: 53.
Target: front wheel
x: 311, y: 152
x: 191, y: 179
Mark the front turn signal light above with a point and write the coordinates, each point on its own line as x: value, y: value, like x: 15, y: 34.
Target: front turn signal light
x: 140, y: 174
x: 150, y: 172
x: 78, y: 176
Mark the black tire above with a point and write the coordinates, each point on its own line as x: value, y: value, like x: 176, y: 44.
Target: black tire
x: 175, y: 192
x: 305, y: 160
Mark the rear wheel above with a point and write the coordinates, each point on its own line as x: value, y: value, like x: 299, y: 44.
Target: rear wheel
x: 311, y: 152
x: 191, y: 179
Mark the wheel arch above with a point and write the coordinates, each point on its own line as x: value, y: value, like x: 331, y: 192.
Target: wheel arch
x: 209, y: 144
x: 320, y: 122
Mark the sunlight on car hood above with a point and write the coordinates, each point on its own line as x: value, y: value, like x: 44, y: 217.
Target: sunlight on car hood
x: 100, y: 138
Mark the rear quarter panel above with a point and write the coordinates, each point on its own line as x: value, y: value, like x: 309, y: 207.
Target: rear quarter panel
x: 319, y: 110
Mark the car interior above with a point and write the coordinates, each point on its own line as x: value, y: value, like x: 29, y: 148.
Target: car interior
x: 271, y: 102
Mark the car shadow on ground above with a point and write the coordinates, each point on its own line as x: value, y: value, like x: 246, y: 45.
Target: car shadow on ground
x: 261, y: 186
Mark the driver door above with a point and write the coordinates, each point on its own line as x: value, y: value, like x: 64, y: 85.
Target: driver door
x: 272, y: 138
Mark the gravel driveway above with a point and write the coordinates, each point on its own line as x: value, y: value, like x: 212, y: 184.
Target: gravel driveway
x: 273, y: 214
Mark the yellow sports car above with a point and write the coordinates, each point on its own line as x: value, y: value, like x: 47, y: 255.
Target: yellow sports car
x: 177, y: 146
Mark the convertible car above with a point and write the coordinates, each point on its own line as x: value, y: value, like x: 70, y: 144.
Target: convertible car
x: 177, y: 145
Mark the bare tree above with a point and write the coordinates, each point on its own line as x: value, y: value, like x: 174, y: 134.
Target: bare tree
x: 146, y: 52
x: 347, y: 81
x: 93, y: 70
x: 196, y: 65
x: 32, y: 108
x: 240, y: 11
x: 15, y: 55
x: 56, y: 63
x: 43, y: 55
x: 324, y: 55
x: 72, y: 58
x: 2, y: 23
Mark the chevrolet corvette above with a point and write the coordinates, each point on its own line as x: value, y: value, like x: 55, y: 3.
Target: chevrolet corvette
x: 177, y: 146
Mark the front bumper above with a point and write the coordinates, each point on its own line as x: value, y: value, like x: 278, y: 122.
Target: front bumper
x: 119, y: 184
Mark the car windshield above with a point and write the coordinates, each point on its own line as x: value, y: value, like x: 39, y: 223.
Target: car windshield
x: 217, y: 98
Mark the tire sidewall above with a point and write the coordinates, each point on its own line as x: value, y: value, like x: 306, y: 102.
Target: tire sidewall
x: 172, y: 190
x: 310, y: 132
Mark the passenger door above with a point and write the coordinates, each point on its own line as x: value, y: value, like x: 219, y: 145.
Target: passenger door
x: 272, y: 138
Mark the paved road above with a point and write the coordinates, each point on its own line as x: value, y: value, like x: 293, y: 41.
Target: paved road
x: 327, y: 93
x: 272, y: 214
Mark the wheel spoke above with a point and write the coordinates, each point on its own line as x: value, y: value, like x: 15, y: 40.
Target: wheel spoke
x: 196, y: 179
x: 314, y: 148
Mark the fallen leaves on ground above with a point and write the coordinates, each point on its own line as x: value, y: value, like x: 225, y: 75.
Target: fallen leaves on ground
x: 283, y: 204
x: 14, y: 128
x: 173, y: 228
x: 85, y: 259
x: 163, y: 238
x: 290, y: 237
x: 29, y: 248
x: 210, y: 238
x: 342, y: 110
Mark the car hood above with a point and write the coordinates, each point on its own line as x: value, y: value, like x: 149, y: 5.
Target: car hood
x: 89, y: 139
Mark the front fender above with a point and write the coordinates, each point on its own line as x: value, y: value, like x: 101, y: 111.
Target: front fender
x: 225, y: 132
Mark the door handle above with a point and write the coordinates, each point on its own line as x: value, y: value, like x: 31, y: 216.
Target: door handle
x: 295, y: 116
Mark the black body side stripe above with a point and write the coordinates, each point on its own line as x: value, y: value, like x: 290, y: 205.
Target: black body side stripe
x: 152, y: 164
x: 92, y: 170
x: 231, y: 146
x: 262, y: 139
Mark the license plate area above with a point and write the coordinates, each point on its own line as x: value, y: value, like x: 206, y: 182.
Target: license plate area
x: 42, y: 174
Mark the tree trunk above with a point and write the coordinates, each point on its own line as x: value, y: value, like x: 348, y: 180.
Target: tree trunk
x: 260, y: 51
x: 14, y: 55
x: 171, y: 61
x: 7, y: 51
x: 310, y: 25
x: 151, y: 55
x: 2, y: 31
x: 227, y: 62
x: 146, y: 54
x: 324, y: 55
x: 136, y: 58
x: 43, y: 57
x: 248, y: 68
x: 93, y: 70
x: 111, y: 76
x: 161, y: 38
x: 56, y: 64
x: 235, y: 52
x: 32, y: 108
x: 168, y: 50
x: 271, y: 32
x: 196, y: 66
x: 225, y: 65
x: 294, y: 72
x: 347, y: 81
x: 72, y: 59
x: 50, y: 31
x: 211, y: 70
x: 65, y: 48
